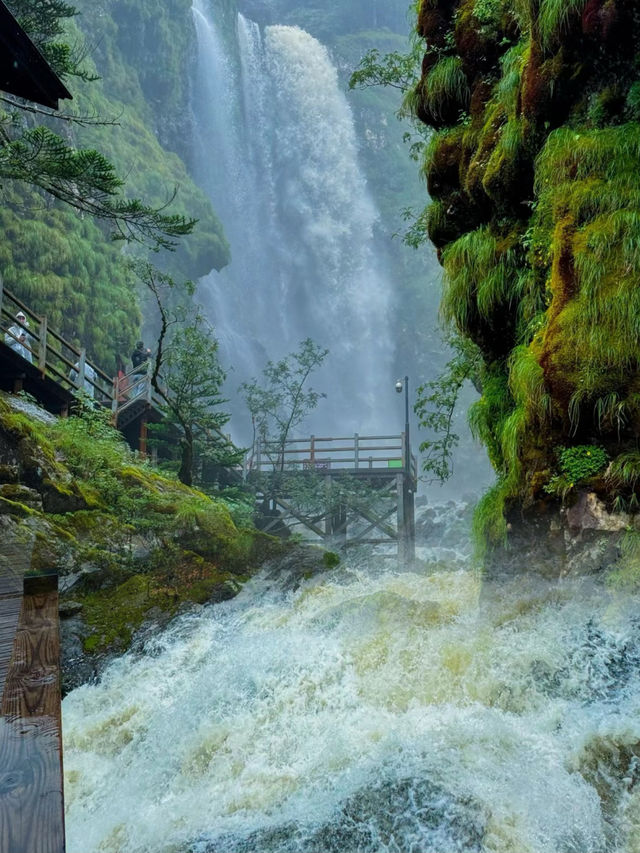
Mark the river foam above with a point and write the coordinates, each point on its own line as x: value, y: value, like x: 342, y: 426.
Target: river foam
x: 368, y: 710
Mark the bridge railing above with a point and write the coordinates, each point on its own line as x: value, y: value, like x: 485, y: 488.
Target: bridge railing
x: 351, y: 453
x: 47, y: 350
x: 131, y: 387
x: 65, y: 363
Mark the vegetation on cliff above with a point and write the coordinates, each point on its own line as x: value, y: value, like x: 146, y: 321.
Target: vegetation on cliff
x: 534, y: 172
x: 64, y: 265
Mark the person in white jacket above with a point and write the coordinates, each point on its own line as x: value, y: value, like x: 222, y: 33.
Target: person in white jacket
x: 89, y: 377
x: 18, y: 338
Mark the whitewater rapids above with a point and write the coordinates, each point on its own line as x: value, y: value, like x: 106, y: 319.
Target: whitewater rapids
x: 369, y: 709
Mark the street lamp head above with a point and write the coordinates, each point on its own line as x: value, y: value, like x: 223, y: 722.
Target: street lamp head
x: 399, y: 386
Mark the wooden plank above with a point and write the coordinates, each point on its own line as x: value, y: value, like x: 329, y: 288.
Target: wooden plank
x: 9, y: 613
x: 31, y: 793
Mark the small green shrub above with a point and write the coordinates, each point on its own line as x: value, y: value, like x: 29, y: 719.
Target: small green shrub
x: 489, y: 528
x: 583, y: 461
x: 624, y: 472
x: 487, y: 11
x: 576, y: 464
x: 330, y: 559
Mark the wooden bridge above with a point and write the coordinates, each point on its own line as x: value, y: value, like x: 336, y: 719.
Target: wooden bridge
x: 54, y: 372
x: 342, y: 492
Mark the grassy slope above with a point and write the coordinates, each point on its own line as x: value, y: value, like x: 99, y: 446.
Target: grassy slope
x: 79, y: 502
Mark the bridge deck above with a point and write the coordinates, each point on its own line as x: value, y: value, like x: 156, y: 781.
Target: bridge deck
x: 31, y: 786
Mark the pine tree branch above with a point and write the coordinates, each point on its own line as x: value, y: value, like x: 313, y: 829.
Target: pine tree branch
x: 84, y: 121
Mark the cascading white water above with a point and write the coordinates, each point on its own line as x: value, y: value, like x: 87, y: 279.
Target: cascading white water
x: 369, y: 710
x: 278, y: 154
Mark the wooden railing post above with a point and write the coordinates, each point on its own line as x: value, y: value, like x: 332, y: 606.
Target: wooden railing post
x: 401, y: 519
x: 312, y: 454
x: 42, y: 350
x: 79, y: 383
x: 356, y: 450
x: 114, y: 400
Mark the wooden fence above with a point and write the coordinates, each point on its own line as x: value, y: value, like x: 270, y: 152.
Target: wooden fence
x: 66, y: 364
x: 350, y: 454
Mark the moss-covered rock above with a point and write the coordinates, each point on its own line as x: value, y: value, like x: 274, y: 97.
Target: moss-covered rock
x: 536, y: 184
x: 129, y: 544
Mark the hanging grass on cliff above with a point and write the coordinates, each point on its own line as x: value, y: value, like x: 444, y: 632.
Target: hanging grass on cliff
x: 536, y: 185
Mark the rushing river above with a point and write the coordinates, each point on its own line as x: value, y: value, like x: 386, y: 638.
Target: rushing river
x: 369, y: 710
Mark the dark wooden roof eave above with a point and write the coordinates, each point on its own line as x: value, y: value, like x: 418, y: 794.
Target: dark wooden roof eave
x: 23, y: 70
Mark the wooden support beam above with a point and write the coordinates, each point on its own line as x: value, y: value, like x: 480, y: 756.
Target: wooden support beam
x: 307, y: 522
x: 360, y: 537
x: 42, y: 347
x: 379, y: 522
x: 143, y: 438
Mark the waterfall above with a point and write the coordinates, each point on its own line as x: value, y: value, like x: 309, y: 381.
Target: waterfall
x: 278, y: 154
x: 369, y: 710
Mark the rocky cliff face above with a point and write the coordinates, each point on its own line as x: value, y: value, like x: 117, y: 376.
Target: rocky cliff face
x: 534, y: 172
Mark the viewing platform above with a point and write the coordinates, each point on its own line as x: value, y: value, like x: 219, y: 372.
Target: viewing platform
x: 384, y: 463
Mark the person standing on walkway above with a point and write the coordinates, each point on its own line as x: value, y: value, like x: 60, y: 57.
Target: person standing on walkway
x: 89, y: 378
x: 139, y: 358
x: 18, y: 338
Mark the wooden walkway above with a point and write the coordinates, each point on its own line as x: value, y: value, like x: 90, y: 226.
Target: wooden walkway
x: 54, y: 371
x: 31, y: 782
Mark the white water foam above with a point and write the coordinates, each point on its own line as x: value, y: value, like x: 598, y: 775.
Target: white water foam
x: 369, y: 711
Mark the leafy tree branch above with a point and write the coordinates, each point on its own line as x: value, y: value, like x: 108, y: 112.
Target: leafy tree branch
x: 279, y: 401
x: 435, y: 407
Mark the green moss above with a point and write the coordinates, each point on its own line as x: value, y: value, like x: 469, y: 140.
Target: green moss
x: 489, y: 528
x: 555, y: 16
x: 444, y: 92
x: 626, y: 574
x: 537, y: 191
x: 487, y: 416
x: 588, y: 198
x: 624, y: 472
x: 15, y: 508
x: 482, y: 282
x: 114, y: 615
x: 330, y: 559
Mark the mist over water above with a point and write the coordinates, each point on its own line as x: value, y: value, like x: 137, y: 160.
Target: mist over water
x: 276, y: 150
x: 369, y: 710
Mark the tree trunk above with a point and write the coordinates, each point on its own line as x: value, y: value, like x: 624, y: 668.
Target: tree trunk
x: 185, y: 474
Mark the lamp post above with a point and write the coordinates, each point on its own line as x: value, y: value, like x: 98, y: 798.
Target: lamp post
x: 406, y: 522
x: 400, y: 385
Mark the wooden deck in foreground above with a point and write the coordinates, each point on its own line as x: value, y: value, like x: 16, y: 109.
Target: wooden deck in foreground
x: 31, y: 783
